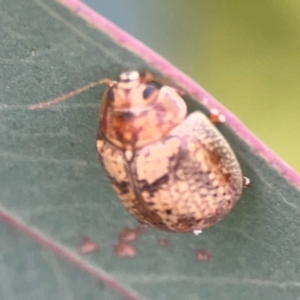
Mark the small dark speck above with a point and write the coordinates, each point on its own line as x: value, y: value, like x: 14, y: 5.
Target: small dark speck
x: 124, y: 250
x: 168, y: 211
x: 72, y: 145
x: 202, y: 255
x: 163, y: 243
x: 128, y: 235
x: 87, y: 246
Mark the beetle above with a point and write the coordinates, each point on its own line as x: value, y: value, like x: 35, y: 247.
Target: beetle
x: 171, y: 171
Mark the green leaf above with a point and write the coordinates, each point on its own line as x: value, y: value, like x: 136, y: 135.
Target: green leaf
x: 53, y: 192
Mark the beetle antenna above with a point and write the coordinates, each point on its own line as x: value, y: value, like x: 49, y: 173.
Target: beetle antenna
x: 71, y: 94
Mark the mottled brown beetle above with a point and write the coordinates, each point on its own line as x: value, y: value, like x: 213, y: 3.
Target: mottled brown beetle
x: 171, y: 171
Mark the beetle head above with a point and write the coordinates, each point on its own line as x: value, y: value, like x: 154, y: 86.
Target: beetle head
x: 135, y: 112
x: 130, y: 93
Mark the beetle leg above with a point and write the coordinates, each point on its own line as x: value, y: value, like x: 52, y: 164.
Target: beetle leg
x: 197, y: 231
x: 216, y: 117
x: 246, y: 182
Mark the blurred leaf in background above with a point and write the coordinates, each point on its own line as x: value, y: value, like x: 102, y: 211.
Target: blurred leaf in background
x: 246, y: 53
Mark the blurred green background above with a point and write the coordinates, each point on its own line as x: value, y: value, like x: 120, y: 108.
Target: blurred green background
x: 245, y: 53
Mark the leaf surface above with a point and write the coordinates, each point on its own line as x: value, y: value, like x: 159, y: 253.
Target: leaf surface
x: 53, y: 192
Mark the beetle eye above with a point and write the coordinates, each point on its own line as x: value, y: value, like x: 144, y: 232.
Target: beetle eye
x: 148, y: 91
x: 110, y: 95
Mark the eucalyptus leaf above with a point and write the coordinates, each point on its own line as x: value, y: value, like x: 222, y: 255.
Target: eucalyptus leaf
x: 53, y: 192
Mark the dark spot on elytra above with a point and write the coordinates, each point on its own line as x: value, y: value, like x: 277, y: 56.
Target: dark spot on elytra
x: 122, y: 186
x: 155, y: 186
x: 186, y: 221
x: 214, y: 158
x: 226, y: 176
x: 198, y: 178
x: 180, y: 162
x: 214, y: 219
